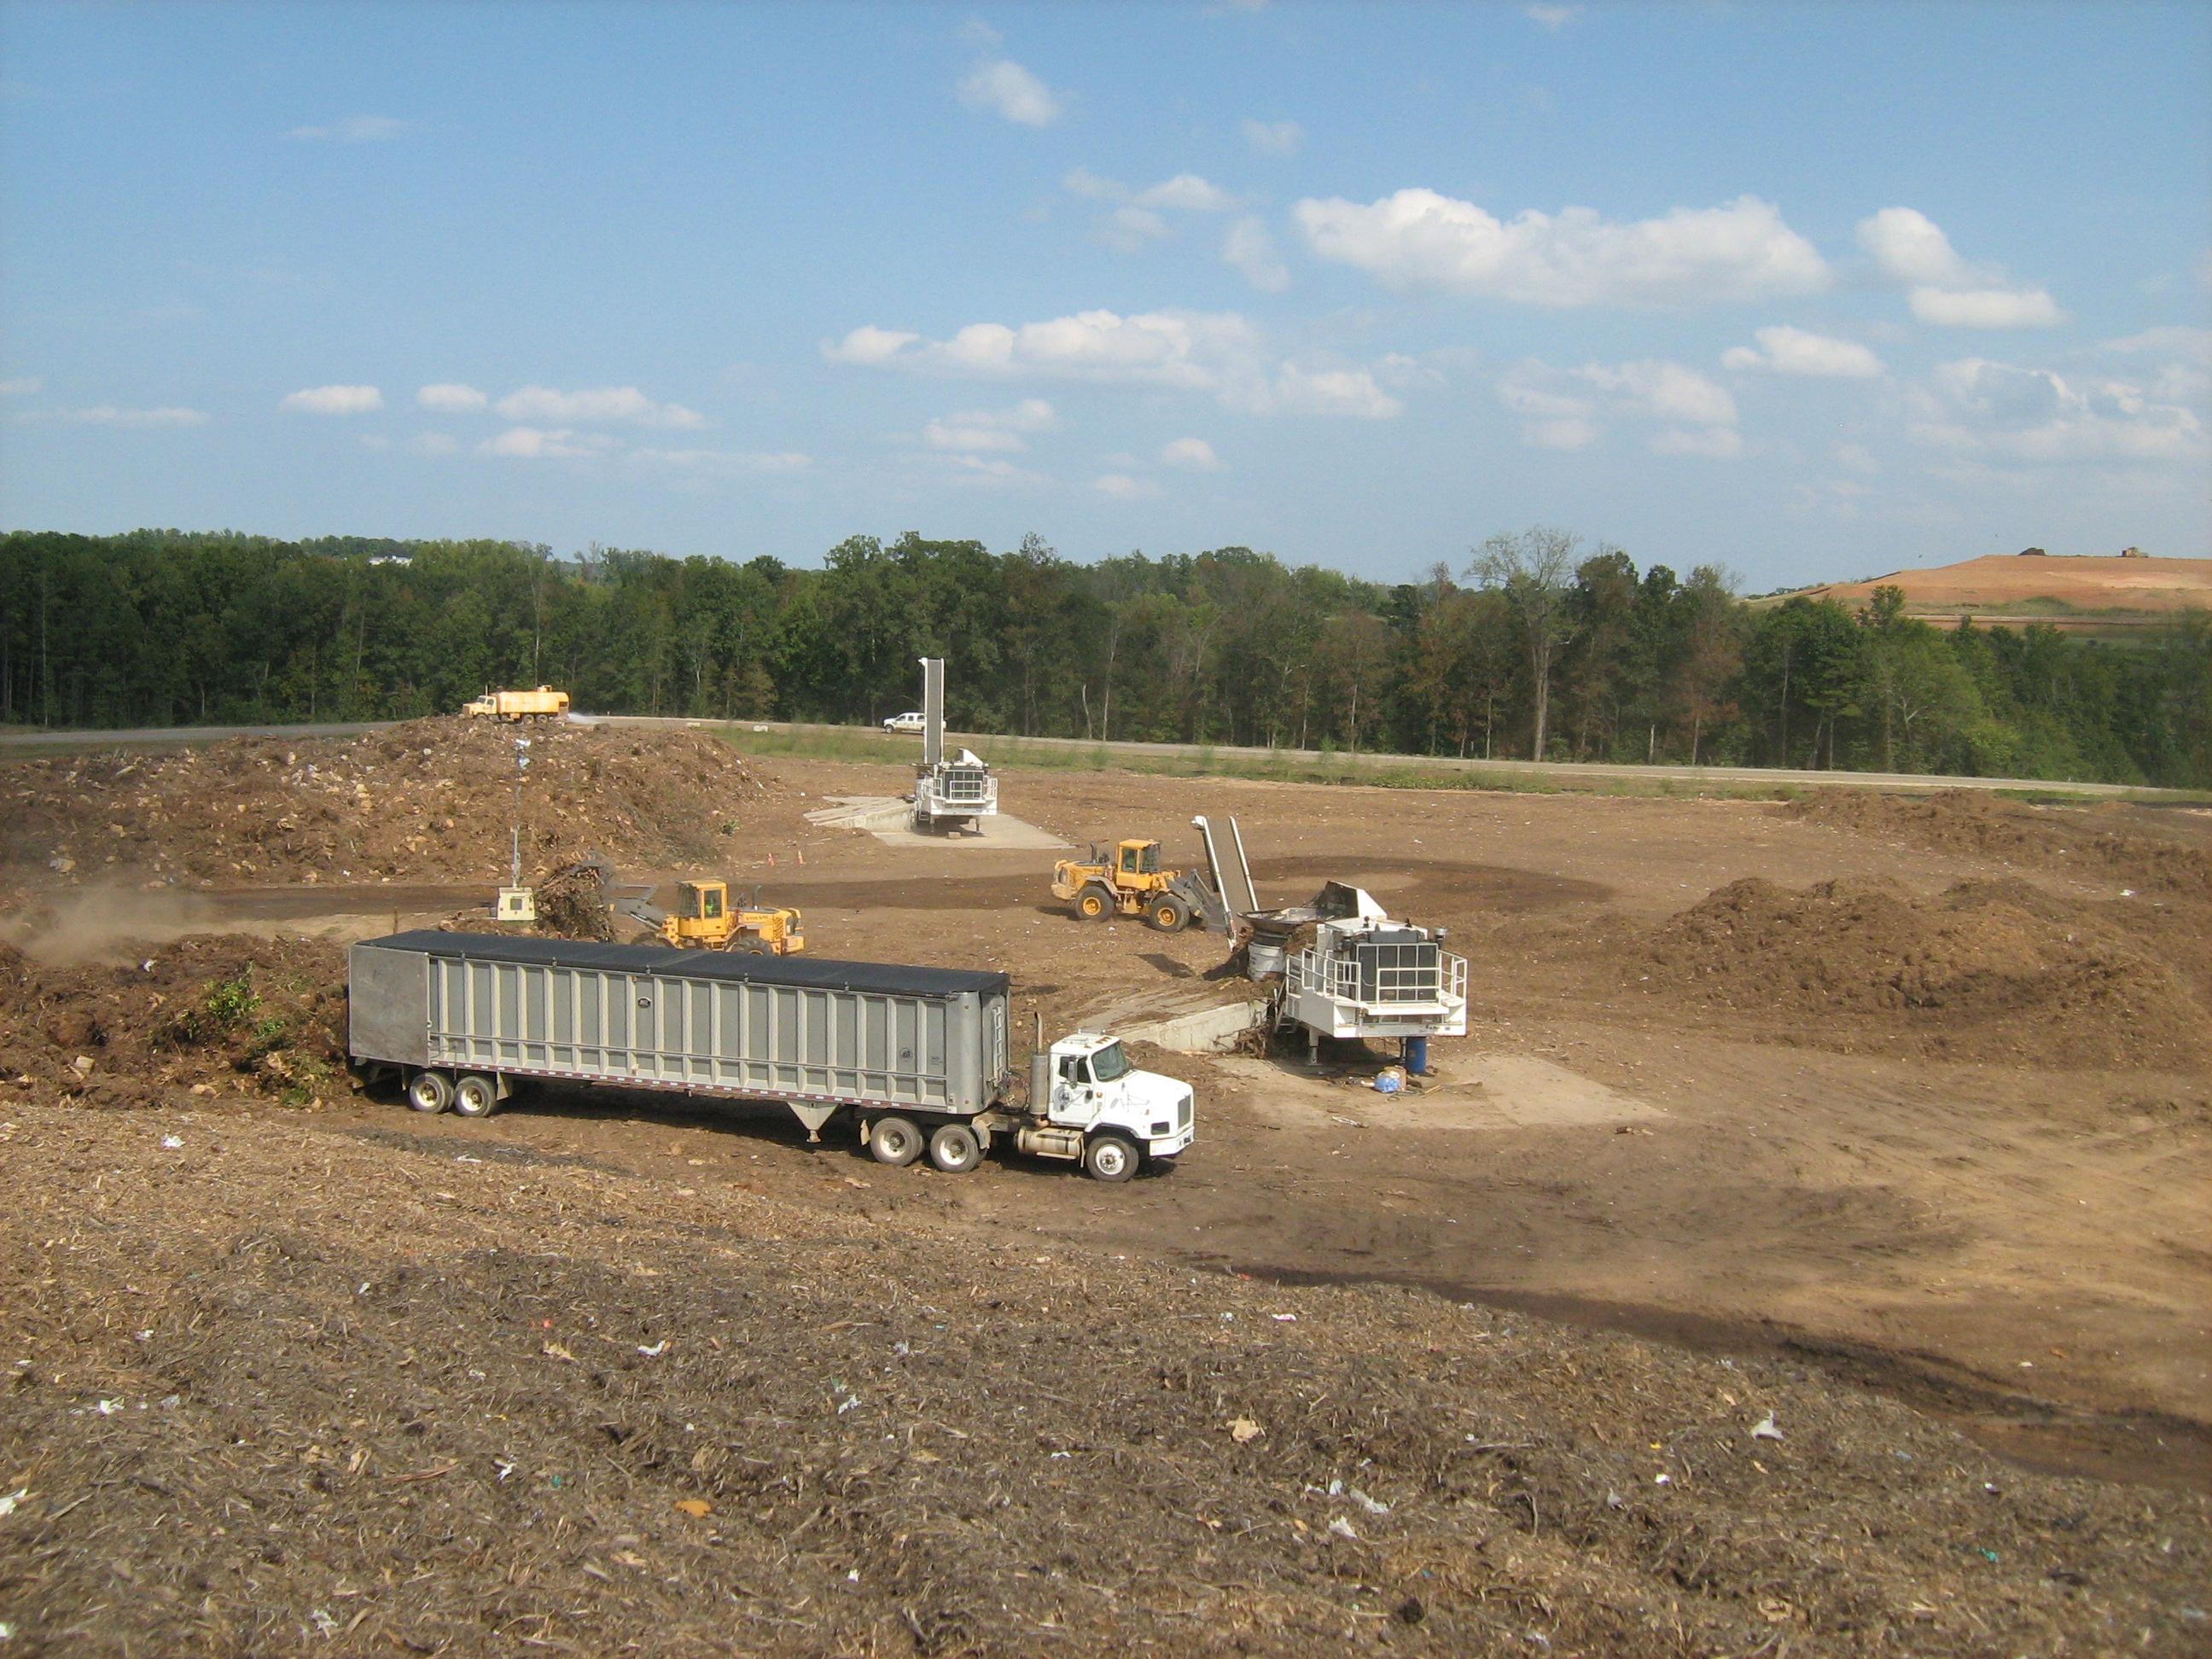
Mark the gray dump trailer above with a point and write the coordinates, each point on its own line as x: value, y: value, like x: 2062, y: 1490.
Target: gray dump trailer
x: 918, y: 1057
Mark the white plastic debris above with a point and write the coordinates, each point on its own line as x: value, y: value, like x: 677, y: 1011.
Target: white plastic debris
x: 1372, y: 1505
x: 109, y: 1407
x: 1765, y: 1428
x: 847, y: 1403
x: 1284, y: 1319
x: 324, y: 1622
x: 656, y: 1349
x: 1663, y: 1479
x: 1342, y: 1528
x: 8, y: 1503
x: 173, y: 1143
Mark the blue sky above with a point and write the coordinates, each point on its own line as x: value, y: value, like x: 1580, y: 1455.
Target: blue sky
x: 1814, y: 292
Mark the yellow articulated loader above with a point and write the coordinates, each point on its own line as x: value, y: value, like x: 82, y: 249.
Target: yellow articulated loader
x: 1131, y: 883
x: 703, y: 918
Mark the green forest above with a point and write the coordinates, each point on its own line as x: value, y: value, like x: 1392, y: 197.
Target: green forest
x: 1539, y: 645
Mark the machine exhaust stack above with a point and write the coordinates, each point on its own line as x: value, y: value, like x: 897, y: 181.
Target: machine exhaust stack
x: 933, y: 711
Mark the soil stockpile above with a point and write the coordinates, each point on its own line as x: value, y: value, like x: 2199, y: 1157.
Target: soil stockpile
x: 207, y: 1016
x: 368, y: 1393
x: 430, y: 800
x: 1985, y: 970
x: 2082, y: 844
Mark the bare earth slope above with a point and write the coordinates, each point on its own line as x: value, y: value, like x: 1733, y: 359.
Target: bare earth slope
x: 385, y: 1392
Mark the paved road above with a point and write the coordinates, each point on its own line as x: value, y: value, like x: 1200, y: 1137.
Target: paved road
x: 1564, y: 774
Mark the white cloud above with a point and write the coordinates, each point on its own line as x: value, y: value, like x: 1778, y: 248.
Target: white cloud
x: 2176, y: 339
x: 1719, y: 443
x: 1946, y: 289
x: 333, y: 400
x: 1275, y: 137
x: 1663, y: 391
x: 449, y: 398
x: 991, y: 429
x: 1786, y: 350
x: 356, y: 130
x: 1004, y: 87
x: 2186, y: 378
x: 28, y: 386
x: 1137, y: 220
x: 534, y: 443
x: 1192, y: 454
x: 109, y: 414
x: 1417, y: 238
x: 1129, y: 229
x: 1123, y: 487
x: 1186, y: 193
x: 869, y: 344
x: 1977, y: 407
x: 1986, y: 307
x: 1297, y: 391
x: 1571, y: 411
x: 990, y: 472
x: 1912, y: 247
x: 1216, y: 353
x: 609, y: 403
x: 433, y: 443
x: 977, y: 33
x: 1250, y: 249
x: 725, y: 460
x: 1553, y: 18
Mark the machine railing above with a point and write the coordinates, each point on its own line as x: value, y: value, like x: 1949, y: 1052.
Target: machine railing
x: 1390, y: 976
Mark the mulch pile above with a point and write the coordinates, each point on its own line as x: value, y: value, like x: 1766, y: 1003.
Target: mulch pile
x: 1986, y: 970
x: 412, y: 1389
x: 432, y: 800
x: 204, y: 1016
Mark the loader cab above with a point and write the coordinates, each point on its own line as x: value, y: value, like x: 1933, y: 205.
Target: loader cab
x: 1138, y: 858
x: 703, y: 901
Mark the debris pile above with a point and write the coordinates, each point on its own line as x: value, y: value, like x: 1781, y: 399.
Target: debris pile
x: 428, y: 800
x: 209, y: 1016
x: 2089, y: 844
x: 1989, y: 970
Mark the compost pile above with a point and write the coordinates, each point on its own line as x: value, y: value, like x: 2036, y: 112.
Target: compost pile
x: 2089, y: 845
x: 354, y: 1392
x: 428, y: 800
x: 211, y: 1016
x: 1987, y: 969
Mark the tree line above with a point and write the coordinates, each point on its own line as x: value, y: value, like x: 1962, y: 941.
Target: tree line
x: 1540, y: 645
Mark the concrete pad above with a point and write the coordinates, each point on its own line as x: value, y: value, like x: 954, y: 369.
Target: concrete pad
x: 1471, y: 1092
x: 888, y: 818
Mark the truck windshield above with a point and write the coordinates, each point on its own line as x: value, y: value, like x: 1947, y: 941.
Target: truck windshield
x: 1109, y: 1063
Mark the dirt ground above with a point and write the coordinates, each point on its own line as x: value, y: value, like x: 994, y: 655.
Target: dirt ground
x: 1902, y: 1107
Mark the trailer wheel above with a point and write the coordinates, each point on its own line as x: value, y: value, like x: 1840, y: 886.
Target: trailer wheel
x: 431, y: 1092
x: 1093, y: 904
x: 475, y: 1095
x: 953, y: 1149
x: 894, y: 1141
x: 1109, y: 1157
x: 1167, y: 915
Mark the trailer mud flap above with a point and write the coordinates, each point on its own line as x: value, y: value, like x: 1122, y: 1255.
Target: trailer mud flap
x: 813, y: 1117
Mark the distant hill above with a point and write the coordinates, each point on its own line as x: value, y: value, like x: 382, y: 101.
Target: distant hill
x: 2081, y: 595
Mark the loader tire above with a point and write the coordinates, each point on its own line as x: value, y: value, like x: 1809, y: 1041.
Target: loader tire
x: 1094, y: 904
x: 1167, y: 915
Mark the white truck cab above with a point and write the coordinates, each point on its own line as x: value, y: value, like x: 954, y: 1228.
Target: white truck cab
x: 1120, y: 1112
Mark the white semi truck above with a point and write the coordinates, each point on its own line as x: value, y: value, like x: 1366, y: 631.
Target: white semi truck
x: 916, y: 1059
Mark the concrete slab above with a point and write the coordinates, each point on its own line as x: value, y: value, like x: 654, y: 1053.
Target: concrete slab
x: 1472, y: 1091
x: 887, y: 817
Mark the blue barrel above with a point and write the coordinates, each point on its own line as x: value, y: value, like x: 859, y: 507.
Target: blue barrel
x: 1417, y: 1056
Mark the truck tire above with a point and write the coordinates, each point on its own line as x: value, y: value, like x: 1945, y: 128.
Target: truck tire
x: 894, y: 1141
x: 953, y: 1149
x: 1109, y: 1157
x: 431, y: 1092
x: 475, y: 1095
x: 1167, y: 915
x: 1094, y: 904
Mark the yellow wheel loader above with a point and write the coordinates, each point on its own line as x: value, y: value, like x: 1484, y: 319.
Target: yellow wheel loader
x: 1131, y: 883
x: 703, y: 918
